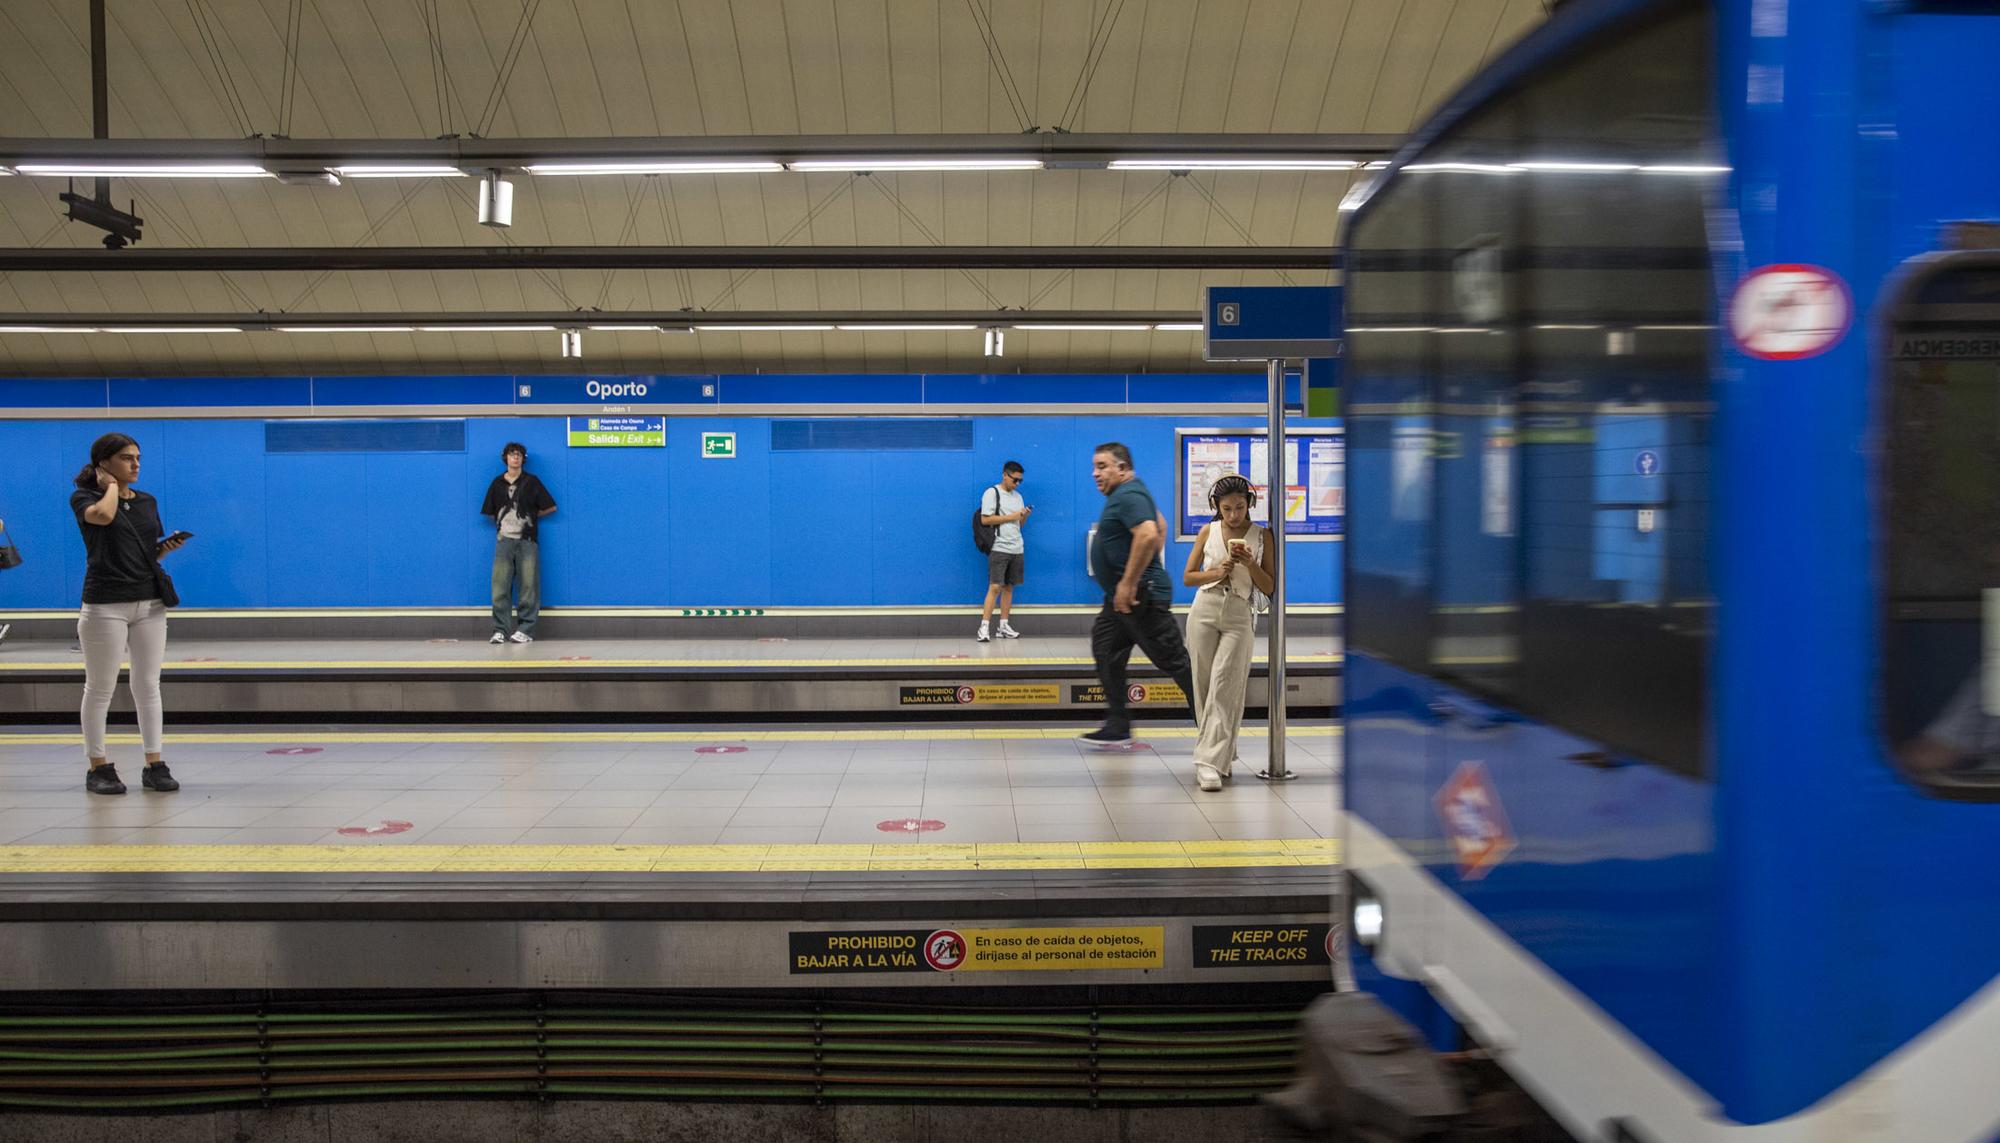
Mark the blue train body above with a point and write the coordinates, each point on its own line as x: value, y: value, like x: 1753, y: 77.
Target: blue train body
x: 1673, y: 399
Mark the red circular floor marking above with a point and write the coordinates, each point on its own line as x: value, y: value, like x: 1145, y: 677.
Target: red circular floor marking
x: 909, y: 825
x: 720, y: 749
x: 385, y: 828
x: 944, y: 950
x: 294, y: 750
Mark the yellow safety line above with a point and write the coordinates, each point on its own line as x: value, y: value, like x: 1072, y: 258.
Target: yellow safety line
x: 719, y: 735
x: 587, y: 663
x: 363, y: 857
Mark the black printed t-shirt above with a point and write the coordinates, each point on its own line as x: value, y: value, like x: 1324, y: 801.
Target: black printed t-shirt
x: 119, y: 568
x: 531, y: 498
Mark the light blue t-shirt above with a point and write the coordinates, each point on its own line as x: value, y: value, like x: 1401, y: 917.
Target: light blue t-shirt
x: 1007, y: 541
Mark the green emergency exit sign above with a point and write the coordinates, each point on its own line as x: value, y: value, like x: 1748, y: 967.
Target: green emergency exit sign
x: 718, y: 446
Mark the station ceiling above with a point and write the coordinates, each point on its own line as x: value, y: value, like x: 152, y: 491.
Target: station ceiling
x: 693, y: 69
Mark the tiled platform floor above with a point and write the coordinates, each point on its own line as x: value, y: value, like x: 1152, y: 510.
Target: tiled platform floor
x: 593, y: 785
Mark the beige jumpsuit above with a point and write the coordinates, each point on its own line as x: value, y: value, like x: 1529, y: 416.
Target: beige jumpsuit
x: 1221, y: 633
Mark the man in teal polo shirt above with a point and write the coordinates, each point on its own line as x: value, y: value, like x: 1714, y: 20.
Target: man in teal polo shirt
x: 1138, y: 598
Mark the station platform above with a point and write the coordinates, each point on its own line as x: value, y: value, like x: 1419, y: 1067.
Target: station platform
x: 656, y: 857
x: 302, y: 666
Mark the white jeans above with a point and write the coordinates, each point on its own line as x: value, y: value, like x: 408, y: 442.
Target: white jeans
x: 108, y: 631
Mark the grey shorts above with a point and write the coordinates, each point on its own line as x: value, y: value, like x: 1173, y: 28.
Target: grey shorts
x: 1007, y: 568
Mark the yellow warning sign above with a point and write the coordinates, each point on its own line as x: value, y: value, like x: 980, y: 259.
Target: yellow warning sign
x: 1007, y: 694
x: 1014, y: 950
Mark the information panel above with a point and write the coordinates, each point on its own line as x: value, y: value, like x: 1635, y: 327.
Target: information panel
x: 618, y: 432
x: 1315, y: 493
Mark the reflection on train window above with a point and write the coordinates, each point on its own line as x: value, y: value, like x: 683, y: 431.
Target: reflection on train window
x: 1530, y: 314
x: 1941, y: 679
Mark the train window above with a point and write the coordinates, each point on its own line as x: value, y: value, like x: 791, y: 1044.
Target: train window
x: 1532, y: 297
x: 1941, y: 504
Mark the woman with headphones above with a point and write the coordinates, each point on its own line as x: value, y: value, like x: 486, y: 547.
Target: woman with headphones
x: 1230, y: 558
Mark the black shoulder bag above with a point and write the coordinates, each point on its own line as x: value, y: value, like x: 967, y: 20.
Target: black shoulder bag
x: 10, y: 556
x: 983, y: 534
x: 163, y: 584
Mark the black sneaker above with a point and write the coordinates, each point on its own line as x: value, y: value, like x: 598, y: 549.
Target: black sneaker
x: 1105, y: 736
x: 157, y: 777
x: 104, y: 780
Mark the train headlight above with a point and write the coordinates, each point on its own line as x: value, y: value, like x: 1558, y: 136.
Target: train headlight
x: 1365, y: 916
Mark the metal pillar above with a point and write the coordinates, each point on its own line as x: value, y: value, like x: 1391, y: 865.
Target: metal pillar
x: 1274, y: 512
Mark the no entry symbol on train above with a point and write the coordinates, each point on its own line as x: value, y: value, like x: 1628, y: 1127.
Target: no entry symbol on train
x: 290, y: 750
x: 1790, y: 310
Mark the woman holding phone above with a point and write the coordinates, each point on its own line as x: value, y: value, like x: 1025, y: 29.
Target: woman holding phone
x: 123, y: 609
x: 1230, y: 557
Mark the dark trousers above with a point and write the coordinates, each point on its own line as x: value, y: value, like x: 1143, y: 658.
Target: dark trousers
x: 1150, y: 627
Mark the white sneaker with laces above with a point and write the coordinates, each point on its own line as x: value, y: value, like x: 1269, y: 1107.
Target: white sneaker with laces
x: 521, y: 637
x: 982, y: 636
x: 1007, y: 631
x: 1208, y: 778
x: 497, y: 638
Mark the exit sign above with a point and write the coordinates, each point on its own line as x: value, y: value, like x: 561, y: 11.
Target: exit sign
x: 718, y: 446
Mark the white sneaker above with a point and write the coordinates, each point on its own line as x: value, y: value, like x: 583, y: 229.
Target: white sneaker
x: 520, y: 637
x: 497, y: 638
x: 1208, y: 778
x: 983, y: 637
x: 1007, y: 631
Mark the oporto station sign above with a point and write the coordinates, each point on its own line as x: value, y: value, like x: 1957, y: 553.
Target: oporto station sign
x: 617, y: 432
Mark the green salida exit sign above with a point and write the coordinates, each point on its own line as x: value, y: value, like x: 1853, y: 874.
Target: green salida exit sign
x: 718, y: 446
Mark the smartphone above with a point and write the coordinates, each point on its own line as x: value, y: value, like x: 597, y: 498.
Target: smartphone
x: 177, y: 536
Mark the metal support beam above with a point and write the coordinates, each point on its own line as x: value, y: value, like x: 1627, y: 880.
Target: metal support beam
x: 1061, y: 151
x: 320, y: 258
x: 669, y: 321
x: 1276, y: 477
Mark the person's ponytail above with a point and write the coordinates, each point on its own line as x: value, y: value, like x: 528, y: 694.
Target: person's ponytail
x: 101, y: 450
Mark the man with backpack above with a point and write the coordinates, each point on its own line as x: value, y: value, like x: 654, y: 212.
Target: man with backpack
x: 996, y: 530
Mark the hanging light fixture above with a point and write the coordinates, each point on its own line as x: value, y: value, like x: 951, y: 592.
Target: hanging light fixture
x: 496, y: 201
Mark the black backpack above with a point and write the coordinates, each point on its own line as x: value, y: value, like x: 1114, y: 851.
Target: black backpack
x: 983, y: 535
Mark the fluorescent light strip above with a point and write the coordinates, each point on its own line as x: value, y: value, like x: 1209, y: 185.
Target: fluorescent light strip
x: 1564, y: 327
x: 1575, y: 167
x: 1674, y: 328
x: 170, y: 329
x: 1466, y: 168
x: 1233, y: 164
x: 485, y: 328
x: 1087, y: 327
x: 769, y: 328
x: 916, y: 328
x: 1179, y: 327
x: 346, y: 329
x: 625, y: 328
x: 46, y: 329
x: 661, y: 167
x: 143, y: 170
x: 395, y: 171
x: 866, y: 165
x: 1671, y: 169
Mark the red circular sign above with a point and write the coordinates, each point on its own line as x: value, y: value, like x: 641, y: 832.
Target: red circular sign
x: 720, y: 749
x: 1790, y: 310
x: 910, y: 825
x: 944, y: 950
x: 1135, y: 693
x: 964, y: 694
x: 294, y: 750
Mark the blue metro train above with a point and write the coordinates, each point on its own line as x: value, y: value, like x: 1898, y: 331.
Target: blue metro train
x: 1672, y: 704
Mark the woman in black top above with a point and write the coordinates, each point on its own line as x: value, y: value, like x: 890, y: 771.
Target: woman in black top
x: 122, y: 610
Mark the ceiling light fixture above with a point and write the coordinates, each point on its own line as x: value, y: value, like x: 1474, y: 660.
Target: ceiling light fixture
x: 1085, y: 327
x: 496, y: 201
x: 143, y: 170
x: 473, y: 328
x: 1179, y: 327
x: 398, y: 171
x: 885, y: 327
x: 868, y: 165
x: 1565, y: 165
x: 996, y: 343
x: 572, y: 343
x: 170, y: 329
x: 46, y: 329
x: 769, y: 327
x: 346, y: 329
x: 1233, y: 164
x: 625, y: 328
x: 659, y: 167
